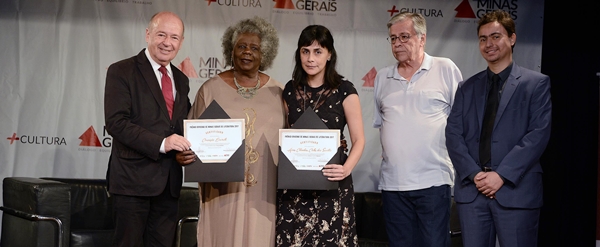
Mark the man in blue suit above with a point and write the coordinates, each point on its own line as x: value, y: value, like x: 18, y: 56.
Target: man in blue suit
x: 498, y: 188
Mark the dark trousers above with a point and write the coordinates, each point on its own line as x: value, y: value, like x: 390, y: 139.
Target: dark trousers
x: 145, y: 221
x: 484, y: 219
x: 418, y: 218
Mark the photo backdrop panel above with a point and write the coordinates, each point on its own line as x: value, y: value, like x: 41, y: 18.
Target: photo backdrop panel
x: 56, y: 53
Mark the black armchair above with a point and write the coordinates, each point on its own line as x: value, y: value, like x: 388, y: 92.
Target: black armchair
x: 73, y: 212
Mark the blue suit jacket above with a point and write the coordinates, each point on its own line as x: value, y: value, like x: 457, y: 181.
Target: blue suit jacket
x: 521, y: 133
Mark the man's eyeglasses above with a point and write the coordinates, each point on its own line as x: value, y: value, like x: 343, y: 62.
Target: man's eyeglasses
x: 403, y: 38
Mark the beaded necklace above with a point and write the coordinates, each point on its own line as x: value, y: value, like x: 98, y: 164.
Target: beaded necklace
x: 247, y: 92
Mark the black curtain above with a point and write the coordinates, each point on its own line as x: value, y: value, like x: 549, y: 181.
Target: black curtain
x: 571, y: 57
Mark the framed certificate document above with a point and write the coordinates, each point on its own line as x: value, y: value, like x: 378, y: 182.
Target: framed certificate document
x: 309, y: 149
x: 214, y: 140
x: 219, y: 143
x: 304, y: 150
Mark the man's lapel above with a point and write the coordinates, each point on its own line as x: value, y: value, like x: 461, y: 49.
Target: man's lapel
x: 510, y: 86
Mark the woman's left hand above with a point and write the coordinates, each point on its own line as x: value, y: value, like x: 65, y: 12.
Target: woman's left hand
x: 335, y: 172
x: 185, y: 158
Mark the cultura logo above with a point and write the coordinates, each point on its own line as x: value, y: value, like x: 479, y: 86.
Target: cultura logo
x: 89, y: 138
x: 13, y: 138
x: 369, y: 78
x: 237, y: 3
x: 423, y: 11
x: 393, y: 11
x: 37, y: 140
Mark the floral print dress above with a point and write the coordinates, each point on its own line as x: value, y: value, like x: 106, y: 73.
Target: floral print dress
x: 317, y: 217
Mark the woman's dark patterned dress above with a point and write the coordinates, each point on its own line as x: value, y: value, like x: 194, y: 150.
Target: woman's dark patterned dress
x: 317, y: 217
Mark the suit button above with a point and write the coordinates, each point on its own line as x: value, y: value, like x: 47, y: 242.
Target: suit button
x: 172, y: 127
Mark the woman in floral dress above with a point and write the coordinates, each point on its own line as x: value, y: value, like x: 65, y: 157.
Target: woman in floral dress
x: 321, y: 217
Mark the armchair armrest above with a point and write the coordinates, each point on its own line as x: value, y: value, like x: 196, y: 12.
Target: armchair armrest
x: 189, y: 208
x: 180, y: 227
x: 36, y: 197
x: 35, y: 217
x: 454, y: 221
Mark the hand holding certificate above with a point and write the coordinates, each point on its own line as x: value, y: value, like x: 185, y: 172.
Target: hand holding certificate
x: 303, y: 152
x: 219, y: 144
x: 309, y: 149
x: 214, y: 140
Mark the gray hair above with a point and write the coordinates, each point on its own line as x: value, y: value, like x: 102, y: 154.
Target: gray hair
x: 419, y: 23
x: 269, y: 41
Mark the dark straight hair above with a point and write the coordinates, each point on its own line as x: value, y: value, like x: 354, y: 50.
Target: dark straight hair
x: 323, y: 37
x: 503, y: 18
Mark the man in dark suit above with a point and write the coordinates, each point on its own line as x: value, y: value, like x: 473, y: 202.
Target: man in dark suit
x: 499, y: 177
x: 145, y: 102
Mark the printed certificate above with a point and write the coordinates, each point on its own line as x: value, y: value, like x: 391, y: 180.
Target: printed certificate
x: 214, y: 140
x: 309, y: 149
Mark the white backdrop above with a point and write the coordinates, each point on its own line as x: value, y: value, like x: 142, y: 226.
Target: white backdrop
x: 55, y: 54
